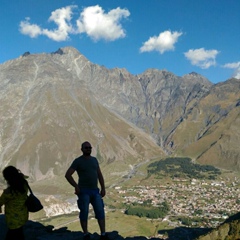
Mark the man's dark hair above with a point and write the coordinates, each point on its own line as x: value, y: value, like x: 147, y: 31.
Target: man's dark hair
x: 83, y: 144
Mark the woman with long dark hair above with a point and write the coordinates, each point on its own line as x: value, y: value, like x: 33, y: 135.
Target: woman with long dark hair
x: 14, y: 198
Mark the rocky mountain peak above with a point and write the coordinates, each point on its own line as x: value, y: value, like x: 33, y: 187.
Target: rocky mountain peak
x: 70, y: 51
x: 26, y: 54
x: 59, y: 51
x: 194, y: 74
x: 196, y: 77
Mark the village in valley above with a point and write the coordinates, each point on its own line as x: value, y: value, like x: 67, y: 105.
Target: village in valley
x: 192, y: 202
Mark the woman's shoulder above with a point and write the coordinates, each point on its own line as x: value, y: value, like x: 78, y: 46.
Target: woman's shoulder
x: 8, y: 191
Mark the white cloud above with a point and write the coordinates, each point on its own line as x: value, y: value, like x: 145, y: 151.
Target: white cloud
x: 164, y: 42
x: 99, y: 25
x: 93, y: 21
x: 236, y: 66
x: 62, y: 18
x: 32, y: 30
x: 232, y: 65
x: 201, y: 57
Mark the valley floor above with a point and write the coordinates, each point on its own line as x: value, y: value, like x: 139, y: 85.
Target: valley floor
x: 197, y: 204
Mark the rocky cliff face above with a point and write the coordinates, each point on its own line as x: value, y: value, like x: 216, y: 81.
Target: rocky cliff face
x: 50, y: 103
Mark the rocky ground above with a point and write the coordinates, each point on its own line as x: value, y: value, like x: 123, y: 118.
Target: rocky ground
x: 37, y: 231
x: 229, y: 230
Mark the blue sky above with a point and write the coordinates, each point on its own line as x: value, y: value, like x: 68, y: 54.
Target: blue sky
x: 180, y: 36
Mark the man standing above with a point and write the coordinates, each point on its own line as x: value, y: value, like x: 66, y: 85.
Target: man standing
x: 89, y: 173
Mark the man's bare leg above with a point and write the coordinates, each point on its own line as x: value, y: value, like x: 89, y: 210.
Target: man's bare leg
x: 101, y: 223
x: 84, y: 225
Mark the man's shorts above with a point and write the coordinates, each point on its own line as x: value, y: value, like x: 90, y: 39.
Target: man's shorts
x: 92, y: 196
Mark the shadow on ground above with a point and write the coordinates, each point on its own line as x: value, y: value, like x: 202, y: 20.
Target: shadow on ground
x: 184, y: 233
x: 37, y: 231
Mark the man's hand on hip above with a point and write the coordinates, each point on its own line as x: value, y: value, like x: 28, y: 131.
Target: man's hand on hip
x: 77, y: 190
x: 102, y: 192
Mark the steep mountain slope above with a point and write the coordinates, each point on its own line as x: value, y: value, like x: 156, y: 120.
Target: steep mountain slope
x: 168, y: 99
x: 210, y: 130
x: 148, y: 100
x: 47, y: 111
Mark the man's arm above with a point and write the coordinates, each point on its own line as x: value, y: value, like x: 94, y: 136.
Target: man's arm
x: 71, y: 180
x: 101, y: 181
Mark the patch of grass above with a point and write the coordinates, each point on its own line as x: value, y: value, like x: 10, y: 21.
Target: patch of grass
x: 60, y: 221
x: 126, y: 226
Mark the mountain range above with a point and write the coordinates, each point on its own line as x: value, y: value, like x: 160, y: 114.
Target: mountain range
x: 52, y: 102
